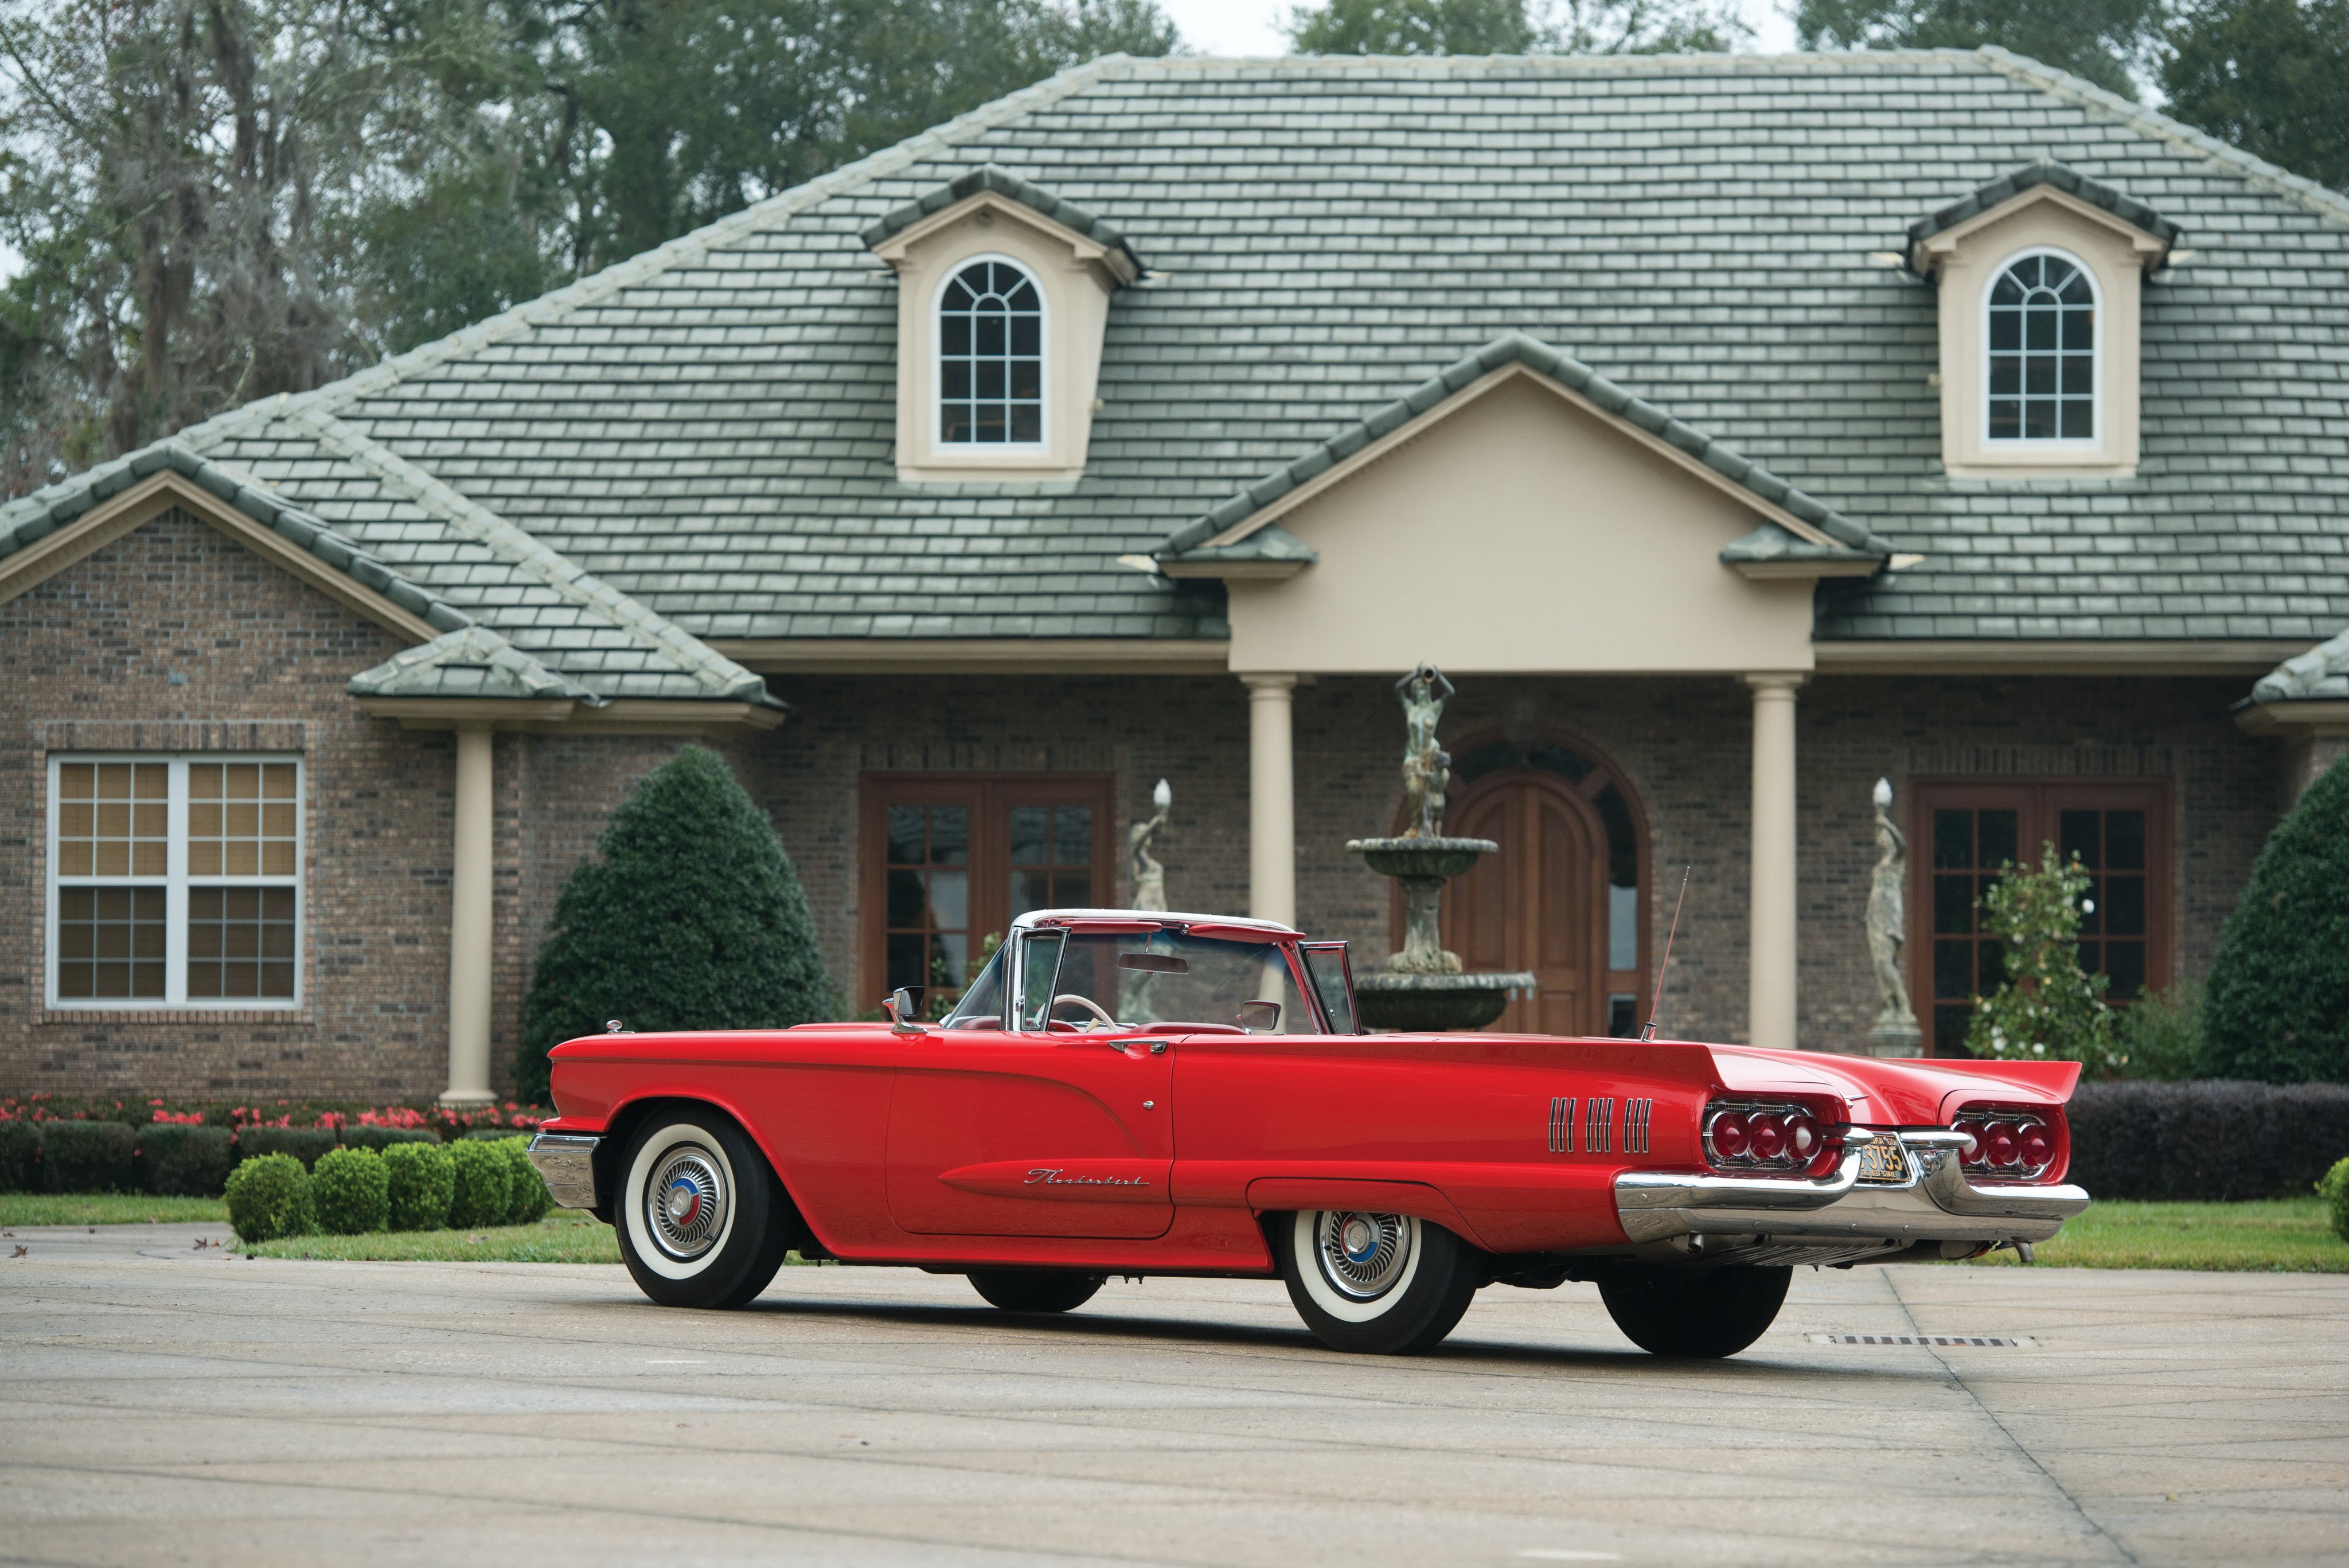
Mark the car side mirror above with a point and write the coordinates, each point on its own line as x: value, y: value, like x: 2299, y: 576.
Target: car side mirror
x: 1257, y: 1016
x: 903, y: 1003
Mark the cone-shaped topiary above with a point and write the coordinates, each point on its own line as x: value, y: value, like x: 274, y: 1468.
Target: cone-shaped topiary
x: 527, y: 1200
x: 268, y: 1197
x: 689, y: 917
x: 2277, y: 1006
x: 422, y: 1182
x: 483, y: 1184
x: 351, y: 1192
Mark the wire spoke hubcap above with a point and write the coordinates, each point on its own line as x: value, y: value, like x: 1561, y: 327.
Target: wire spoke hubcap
x: 686, y: 1202
x: 1362, y: 1255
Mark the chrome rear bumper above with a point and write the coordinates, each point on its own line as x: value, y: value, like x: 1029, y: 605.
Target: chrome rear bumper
x: 567, y: 1162
x: 1934, y: 1203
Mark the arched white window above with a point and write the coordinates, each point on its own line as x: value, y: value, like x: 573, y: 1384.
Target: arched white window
x: 2042, y: 344
x: 990, y: 355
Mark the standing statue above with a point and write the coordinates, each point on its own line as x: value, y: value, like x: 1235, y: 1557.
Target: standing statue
x: 1149, y: 875
x: 1426, y: 766
x: 1895, y: 1033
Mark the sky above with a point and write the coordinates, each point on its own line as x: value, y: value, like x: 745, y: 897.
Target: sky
x: 1248, y: 27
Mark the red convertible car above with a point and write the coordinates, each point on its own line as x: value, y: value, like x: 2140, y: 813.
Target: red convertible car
x: 1156, y: 1094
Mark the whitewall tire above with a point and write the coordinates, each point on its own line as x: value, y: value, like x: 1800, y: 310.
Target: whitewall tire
x: 697, y: 1220
x: 1384, y: 1284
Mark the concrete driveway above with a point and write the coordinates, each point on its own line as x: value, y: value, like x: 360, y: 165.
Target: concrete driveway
x: 164, y: 1404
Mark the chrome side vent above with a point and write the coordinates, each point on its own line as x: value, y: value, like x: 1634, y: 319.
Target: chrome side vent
x: 1561, y: 1125
x: 1637, y: 1114
x: 1599, y: 1129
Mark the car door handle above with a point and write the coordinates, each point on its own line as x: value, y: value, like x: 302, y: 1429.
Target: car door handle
x: 1157, y: 1047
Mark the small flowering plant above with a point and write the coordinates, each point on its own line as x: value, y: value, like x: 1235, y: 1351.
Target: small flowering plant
x: 509, y: 1114
x: 2046, y: 1005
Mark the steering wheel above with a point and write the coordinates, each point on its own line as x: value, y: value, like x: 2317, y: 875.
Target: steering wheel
x: 1089, y: 1004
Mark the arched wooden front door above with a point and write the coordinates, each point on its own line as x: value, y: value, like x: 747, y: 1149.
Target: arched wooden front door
x: 1541, y: 904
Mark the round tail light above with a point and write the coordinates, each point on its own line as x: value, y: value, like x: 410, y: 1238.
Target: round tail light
x: 1766, y: 1136
x: 1973, y: 1153
x: 1729, y: 1136
x: 1802, y: 1138
x: 1998, y: 1145
x: 2035, y: 1147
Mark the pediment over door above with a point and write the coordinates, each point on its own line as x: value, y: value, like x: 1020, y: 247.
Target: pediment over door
x: 1520, y: 527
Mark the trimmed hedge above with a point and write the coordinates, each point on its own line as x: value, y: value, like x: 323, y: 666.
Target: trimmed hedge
x: 422, y: 1183
x: 351, y: 1192
x: 20, y: 1156
x: 381, y: 1139
x: 183, y: 1161
x: 2208, y: 1139
x: 268, y: 1197
x: 482, y: 1186
x: 304, y: 1144
x: 89, y: 1157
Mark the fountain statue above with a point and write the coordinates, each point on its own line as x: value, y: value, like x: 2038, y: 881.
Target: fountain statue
x: 1895, y: 1031
x: 1149, y: 873
x: 1421, y: 987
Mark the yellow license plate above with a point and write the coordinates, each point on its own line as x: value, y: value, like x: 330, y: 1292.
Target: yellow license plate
x: 1880, y: 1159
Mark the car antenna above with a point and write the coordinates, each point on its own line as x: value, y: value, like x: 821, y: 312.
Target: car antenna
x: 1656, y: 1007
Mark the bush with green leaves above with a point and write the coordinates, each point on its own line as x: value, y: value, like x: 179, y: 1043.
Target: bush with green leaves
x: 184, y: 1160
x: 2334, y: 1189
x: 421, y: 1183
x: 269, y: 1196
x: 381, y: 1139
x: 2160, y: 1035
x: 351, y: 1192
x: 527, y: 1199
x: 304, y: 1144
x: 89, y: 1157
x: 20, y: 1154
x: 482, y: 1184
x: 2046, y: 1005
x: 2278, y: 1006
x: 688, y: 916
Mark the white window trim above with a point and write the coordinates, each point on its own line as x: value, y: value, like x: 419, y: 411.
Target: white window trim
x: 176, y: 883
x: 2097, y: 363
x: 938, y: 443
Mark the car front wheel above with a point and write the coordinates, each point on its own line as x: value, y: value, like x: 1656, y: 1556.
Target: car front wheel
x: 698, y: 1223
x: 1382, y: 1284
x: 1714, y: 1315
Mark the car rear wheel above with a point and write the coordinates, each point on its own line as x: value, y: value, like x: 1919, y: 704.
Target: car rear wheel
x: 1382, y: 1284
x: 1714, y: 1315
x: 699, y: 1212
x: 1035, y: 1290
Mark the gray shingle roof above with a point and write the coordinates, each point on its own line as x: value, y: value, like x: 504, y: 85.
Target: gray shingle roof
x: 471, y: 661
x: 1516, y: 347
x: 708, y: 429
x: 1003, y: 182
x: 2322, y: 674
x: 2046, y: 171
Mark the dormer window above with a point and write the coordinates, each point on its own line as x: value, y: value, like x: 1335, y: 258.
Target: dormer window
x: 2042, y: 343
x: 990, y: 336
x: 2042, y: 278
x: 1003, y: 300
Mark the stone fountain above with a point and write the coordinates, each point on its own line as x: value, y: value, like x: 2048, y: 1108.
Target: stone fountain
x: 1421, y: 987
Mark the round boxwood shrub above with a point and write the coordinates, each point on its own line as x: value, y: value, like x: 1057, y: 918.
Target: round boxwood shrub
x: 482, y: 1185
x: 268, y: 1197
x: 527, y: 1199
x: 353, y: 1191
x: 2335, y: 1190
x: 2277, y: 1006
x: 185, y: 1160
x: 689, y: 917
x: 89, y: 1157
x: 421, y: 1183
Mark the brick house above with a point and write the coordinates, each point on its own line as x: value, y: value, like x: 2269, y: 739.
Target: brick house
x: 1735, y: 431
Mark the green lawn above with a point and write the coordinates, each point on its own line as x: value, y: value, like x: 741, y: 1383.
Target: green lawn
x: 2272, y: 1235
x: 108, y: 1209
x: 564, y: 1236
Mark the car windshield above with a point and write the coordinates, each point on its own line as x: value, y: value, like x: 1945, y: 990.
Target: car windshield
x: 1154, y: 979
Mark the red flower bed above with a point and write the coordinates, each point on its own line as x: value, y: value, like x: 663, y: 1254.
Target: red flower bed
x: 448, y: 1122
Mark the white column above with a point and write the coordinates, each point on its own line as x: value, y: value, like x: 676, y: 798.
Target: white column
x: 1770, y: 980
x: 469, y: 926
x: 1272, y: 800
